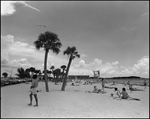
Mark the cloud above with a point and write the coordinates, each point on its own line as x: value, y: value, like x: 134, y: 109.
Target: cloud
x: 115, y: 63
x: 15, y: 54
x: 83, y: 55
x: 142, y: 64
x: 111, y: 69
x: 96, y: 64
x: 27, y: 5
x: 14, y: 50
x: 8, y: 7
x: 6, y: 63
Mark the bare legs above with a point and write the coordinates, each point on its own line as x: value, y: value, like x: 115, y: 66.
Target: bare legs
x: 30, y: 99
x: 103, y: 88
x: 36, y: 99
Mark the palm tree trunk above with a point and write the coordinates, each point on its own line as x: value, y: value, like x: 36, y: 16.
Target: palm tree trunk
x: 45, y: 71
x: 63, y: 75
x: 65, y: 79
x: 56, y: 79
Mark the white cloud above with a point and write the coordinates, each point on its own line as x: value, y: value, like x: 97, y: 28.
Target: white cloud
x: 115, y: 63
x: 6, y: 63
x: 8, y: 7
x: 111, y: 69
x: 15, y: 54
x: 27, y: 5
x: 142, y: 64
x: 96, y: 64
x: 81, y: 64
x: 83, y: 55
x: 126, y: 71
x: 15, y: 50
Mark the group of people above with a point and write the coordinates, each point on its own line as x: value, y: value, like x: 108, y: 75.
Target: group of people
x: 135, y: 89
x: 96, y: 90
x: 122, y: 95
x: 116, y: 95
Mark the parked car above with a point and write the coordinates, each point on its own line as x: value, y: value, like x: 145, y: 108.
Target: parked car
x: 6, y: 81
x: 12, y: 81
x: 23, y: 80
x: 2, y: 82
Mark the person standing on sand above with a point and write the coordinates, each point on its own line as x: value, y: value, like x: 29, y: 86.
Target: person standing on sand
x: 33, y: 88
x: 103, y: 84
x: 145, y: 84
x: 131, y: 88
x: 128, y: 83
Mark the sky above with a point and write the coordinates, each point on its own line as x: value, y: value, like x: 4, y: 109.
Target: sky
x: 110, y: 36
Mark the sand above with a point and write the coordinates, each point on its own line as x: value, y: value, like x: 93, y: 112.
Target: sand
x: 74, y: 102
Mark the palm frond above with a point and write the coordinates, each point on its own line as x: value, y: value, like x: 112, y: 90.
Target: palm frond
x: 42, y: 38
x: 56, y: 50
x: 52, y: 67
x: 67, y: 51
x: 73, y: 49
x: 21, y: 73
x: 63, y: 66
x: 38, y: 44
x: 77, y: 55
x: 58, y: 44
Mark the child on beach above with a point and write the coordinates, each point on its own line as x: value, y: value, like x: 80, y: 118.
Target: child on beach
x: 95, y: 89
x: 33, y: 90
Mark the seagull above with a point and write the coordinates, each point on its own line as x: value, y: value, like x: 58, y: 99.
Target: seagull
x: 41, y: 25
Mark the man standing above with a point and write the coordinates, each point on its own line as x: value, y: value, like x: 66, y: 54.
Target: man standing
x: 145, y: 84
x: 33, y: 88
x: 103, y: 84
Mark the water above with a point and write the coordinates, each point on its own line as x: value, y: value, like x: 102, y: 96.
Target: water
x: 132, y: 81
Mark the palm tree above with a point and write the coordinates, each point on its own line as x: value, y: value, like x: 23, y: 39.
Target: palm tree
x: 37, y: 71
x: 52, y: 68
x: 5, y: 75
x: 44, y: 73
x: 49, y: 72
x: 72, y: 53
x: 57, y: 73
x: 27, y: 72
x: 48, y: 41
x: 63, y: 67
x: 21, y: 73
x: 32, y: 70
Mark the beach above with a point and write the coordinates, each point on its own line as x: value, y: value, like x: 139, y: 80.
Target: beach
x: 73, y: 102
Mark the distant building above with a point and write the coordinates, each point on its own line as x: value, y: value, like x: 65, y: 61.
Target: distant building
x: 78, y: 76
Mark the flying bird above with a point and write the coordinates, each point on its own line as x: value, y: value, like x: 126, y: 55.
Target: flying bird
x: 41, y: 25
